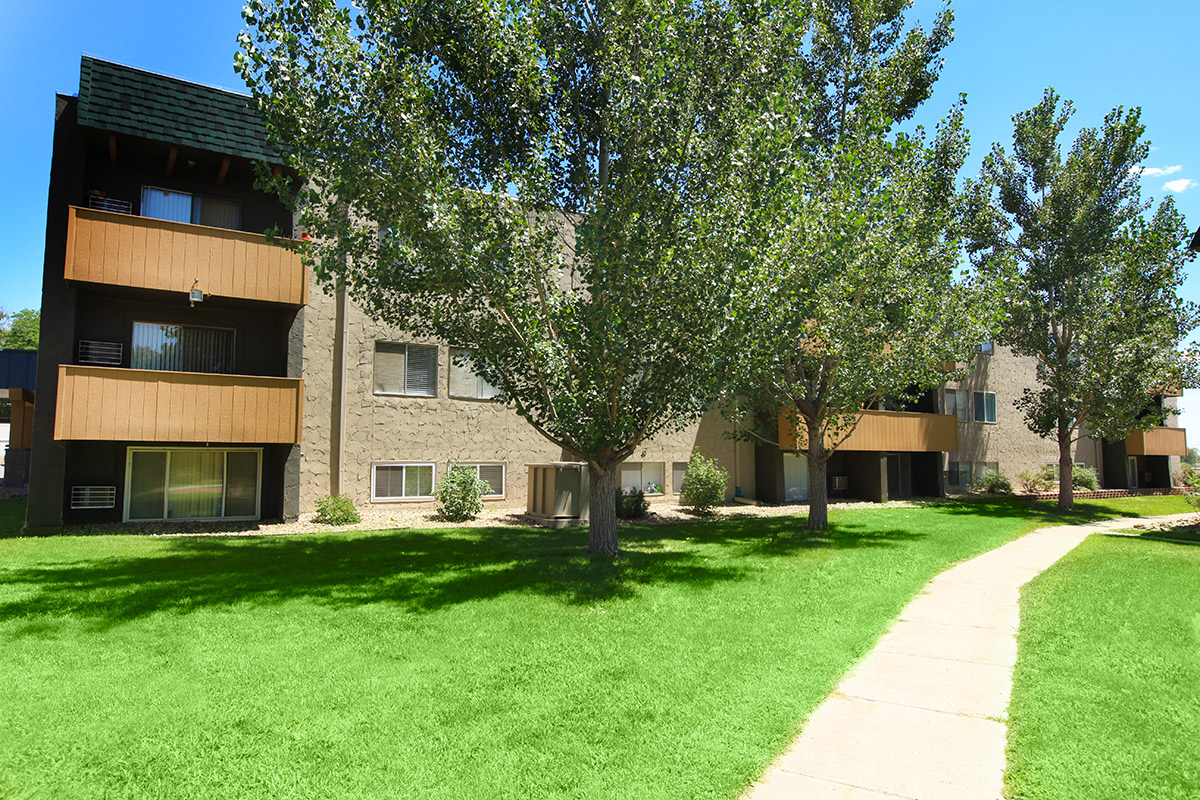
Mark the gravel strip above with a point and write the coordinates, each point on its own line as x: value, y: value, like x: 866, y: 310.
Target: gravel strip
x: 425, y: 517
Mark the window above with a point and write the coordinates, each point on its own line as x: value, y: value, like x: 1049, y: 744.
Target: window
x: 647, y: 476
x: 406, y: 369
x: 985, y: 406
x: 192, y: 483
x: 401, y: 482
x: 182, y: 348
x: 678, y: 473
x: 985, y: 348
x: 959, y: 473
x: 956, y: 403
x: 216, y: 212
x: 492, y: 475
x: 463, y: 380
x: 986, y: 466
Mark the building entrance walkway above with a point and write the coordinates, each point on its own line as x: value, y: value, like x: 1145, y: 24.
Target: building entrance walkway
x: 923, y: 715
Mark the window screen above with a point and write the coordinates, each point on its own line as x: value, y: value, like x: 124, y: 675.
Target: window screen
x: 403, y: 481
x: 678, y: 473
x: 463, y: 380
x: 647, y: 476
x: 492, y: 475
x: 406, y: 369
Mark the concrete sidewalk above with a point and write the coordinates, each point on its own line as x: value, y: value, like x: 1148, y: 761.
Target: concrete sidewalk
x: 923, y: 716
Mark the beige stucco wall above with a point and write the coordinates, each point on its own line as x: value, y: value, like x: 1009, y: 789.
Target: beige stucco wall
x: 442, y: 429
x: 1008, y: 441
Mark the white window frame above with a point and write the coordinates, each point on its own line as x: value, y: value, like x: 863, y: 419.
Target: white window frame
x: 962, y: 404
x: 975, y: 408
x: 642, y: 479
x: 415, y: 498
x: 503, y: 475
x: 129, y: 451
x: 406, y: 393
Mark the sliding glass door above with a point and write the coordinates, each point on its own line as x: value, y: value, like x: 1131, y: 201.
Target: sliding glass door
x: 192, y: 483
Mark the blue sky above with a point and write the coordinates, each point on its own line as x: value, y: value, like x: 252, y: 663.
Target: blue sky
x: 1098, y: 53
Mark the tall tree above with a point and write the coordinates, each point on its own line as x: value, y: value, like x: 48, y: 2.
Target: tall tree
x: 552, y: 182
x: 19, y: 331
x: 1090, y: 278
x: 855, y: 298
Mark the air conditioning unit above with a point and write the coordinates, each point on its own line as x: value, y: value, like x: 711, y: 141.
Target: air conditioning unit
x: 839, y: 483
x: 110, y: 204
x: 93, y: 496
x: 101, y: 354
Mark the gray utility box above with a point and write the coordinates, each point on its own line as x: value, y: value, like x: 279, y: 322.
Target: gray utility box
x: 558, y: 493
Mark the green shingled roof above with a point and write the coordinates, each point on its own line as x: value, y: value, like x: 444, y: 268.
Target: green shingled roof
x: 113, y: 97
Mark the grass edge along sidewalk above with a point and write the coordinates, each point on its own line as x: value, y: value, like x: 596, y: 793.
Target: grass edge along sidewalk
x: 1104, y: 699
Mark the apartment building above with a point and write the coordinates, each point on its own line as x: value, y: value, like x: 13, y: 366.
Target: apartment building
x: 169, y: 363
x: 192, y: 369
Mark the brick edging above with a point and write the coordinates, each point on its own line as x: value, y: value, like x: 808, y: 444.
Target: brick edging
x: 1105, y: 494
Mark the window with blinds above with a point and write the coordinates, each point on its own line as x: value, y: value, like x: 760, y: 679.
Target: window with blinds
x: 401, y: 482
x: 182, y: 348
x: 463, y: 380
x: 402, y: 368
x: 492, y: 475
x: 216, y: 212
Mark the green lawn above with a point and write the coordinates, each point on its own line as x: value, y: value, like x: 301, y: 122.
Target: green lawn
x: 468, y: 663
x: 1106, y: 699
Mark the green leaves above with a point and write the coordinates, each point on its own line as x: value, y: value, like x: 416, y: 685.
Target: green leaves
x: 1090, y: 282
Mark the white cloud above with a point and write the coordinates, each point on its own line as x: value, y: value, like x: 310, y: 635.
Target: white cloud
x: 1156, y: 172
x: 1181, y: 185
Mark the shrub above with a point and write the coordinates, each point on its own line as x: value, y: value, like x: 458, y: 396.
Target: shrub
x: 1191, y: 480
x: 704, y: 484
x: 1084, y: 477
x: 993, y: 482
x: 631, y: 504
x: 1043, y: 480
x: 460, y: 494
x: 336, y: 509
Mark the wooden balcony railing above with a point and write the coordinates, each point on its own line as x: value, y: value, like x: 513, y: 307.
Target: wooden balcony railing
x: 1157, y: 442
x: 890, y: 431
x: 136, y: 405
x: 124, y: 250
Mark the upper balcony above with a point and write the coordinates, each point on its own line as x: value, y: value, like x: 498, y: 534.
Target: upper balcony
x: 890, y: 431
x: 1162, y: 441
x: 143, y: 405
x: 124, y: 250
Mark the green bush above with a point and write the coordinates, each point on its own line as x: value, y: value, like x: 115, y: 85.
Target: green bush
x: 460, y: 494
x: 631, y: 504
x: 336, y: 509
x: 1043, y: 480
x: 993, y: 482
x: 704, y: 484
x: 1084, y: 477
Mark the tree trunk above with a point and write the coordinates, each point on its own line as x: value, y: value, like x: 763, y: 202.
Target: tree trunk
x: 602, y: 519
x: 818, y: 483
x: 1066, y: 487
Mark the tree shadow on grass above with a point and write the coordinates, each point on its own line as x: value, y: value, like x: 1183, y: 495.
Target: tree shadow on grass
x: 416, y: 571
x: 1043, y: 511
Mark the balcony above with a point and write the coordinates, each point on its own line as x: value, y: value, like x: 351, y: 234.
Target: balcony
x: 140, y: 252
x: 890, y: 431
x: 135, y: 405
x: 1157, y: 442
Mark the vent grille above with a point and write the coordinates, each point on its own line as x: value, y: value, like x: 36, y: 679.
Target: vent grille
x: 110, y: 204
x: 104, y: 354
x: 840, y: 483
x: 93, y: 496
